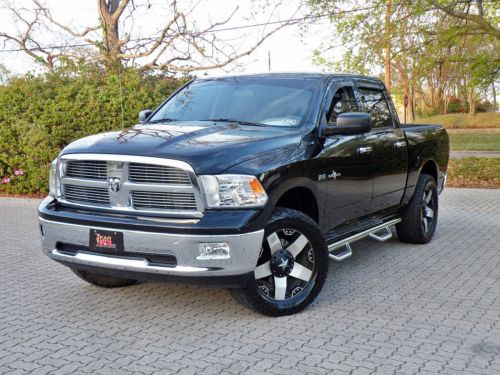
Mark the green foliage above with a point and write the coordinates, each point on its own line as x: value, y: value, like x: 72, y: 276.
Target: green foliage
x: 475, y: 141
x: 474, y: 172
x: 433, y: 55
x: 39, y: 115
x: 455, y: 106
x: 464, y: 121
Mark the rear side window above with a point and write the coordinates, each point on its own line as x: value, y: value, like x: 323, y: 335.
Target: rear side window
x: 343, y: 101
x: 374, y: 102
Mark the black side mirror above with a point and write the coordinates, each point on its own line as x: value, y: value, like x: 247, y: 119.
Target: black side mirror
x: 144, y: 114
x: 350, y: 123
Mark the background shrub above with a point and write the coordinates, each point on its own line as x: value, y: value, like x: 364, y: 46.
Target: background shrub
x: 39, y: 115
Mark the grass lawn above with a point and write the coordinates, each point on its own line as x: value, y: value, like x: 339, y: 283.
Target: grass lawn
x: 475, y: 141
x: 474, y: 172
x: 464, y: 120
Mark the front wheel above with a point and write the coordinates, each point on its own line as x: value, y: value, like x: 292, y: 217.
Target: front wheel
x: 102, y: 280
x: 292, y: 266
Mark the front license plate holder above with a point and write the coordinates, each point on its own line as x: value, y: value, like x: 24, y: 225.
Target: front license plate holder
x: 106, y: 241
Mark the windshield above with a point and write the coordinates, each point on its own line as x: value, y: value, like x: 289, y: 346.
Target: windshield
x: 269, y: 101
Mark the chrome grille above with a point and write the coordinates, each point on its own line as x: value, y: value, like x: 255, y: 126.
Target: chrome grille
x: 157, y: 174
x: 92, y: 169
x: 130, y: 184
x: 165, y: 201
x: 86, y: 194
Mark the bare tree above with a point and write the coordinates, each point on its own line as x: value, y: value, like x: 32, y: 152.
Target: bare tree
x: 180, y: 45
x: 28, y: 22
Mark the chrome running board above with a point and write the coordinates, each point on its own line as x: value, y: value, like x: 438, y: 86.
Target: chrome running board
x: 339, y: 256
x: 387, y: 234
x: 370, y: 232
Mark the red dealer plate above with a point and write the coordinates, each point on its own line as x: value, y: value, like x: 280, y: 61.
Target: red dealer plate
x: 103, y: 240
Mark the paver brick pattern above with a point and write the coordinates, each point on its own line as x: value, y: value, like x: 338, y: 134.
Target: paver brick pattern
x: 390, y: 308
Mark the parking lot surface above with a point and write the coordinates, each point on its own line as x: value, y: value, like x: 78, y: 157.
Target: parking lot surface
x: 390, y: 308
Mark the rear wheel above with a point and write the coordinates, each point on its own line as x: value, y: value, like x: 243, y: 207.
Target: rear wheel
x: 291, y: 268
x: 419, y: 217
x: 102, y: 280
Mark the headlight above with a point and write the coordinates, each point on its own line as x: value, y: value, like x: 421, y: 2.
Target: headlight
x: 53, y: 179
x: 229, y: 190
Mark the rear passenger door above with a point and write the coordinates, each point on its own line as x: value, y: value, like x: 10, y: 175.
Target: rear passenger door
x: 388, y: 145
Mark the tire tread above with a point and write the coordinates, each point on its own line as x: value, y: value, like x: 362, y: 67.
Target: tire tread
x: 409, y: 229
x: 102, y: 281
x: 242, y: 296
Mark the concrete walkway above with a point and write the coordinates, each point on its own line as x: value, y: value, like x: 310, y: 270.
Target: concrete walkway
x: 459, y: 154
x: 392, y: 308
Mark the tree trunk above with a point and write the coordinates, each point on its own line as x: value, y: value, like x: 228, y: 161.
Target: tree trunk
x: 109, y: 12
x: 388, y: 46
x: 412, y: 104
x: 494, y: 91
x: 405, y: 82
x: 446, y: 102
x: 471, y: 99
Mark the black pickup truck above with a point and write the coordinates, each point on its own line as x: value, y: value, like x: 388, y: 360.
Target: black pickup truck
x: 250, y: 182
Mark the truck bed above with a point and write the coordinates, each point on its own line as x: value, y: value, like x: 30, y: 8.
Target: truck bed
x: 425, y: 142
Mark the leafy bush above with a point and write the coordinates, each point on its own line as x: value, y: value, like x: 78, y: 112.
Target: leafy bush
x: 484, y: 106
x: 455, y: 106
x: 39, y: 115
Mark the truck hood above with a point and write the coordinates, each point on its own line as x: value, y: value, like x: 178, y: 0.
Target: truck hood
x: 210, y: 147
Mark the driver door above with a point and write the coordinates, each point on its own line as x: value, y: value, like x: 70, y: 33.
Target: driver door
x: 346, y: 168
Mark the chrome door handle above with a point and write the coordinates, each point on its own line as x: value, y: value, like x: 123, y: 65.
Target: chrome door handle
x: 399, y: 144
x: 364, y: 150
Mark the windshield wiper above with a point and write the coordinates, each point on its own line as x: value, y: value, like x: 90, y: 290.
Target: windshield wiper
x: 235, y: 121
x: 161, y: 120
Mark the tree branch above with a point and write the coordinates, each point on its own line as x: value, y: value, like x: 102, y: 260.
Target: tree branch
x: 234, y: 57
x: 49, y: 17
x: 477, y: 19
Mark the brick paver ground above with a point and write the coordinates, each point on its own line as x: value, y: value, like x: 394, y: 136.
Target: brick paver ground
x: 391, y: 308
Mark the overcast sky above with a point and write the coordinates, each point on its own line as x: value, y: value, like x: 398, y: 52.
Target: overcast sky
x: 290, y: 49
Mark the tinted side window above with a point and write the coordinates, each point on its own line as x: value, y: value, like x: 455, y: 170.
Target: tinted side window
x: 374, y: 102
x: 343, y: 101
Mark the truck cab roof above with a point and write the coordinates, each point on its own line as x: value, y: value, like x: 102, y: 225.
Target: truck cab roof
x: 297, y: 75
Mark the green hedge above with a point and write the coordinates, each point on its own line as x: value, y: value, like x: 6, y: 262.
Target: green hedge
x: 39, y: 115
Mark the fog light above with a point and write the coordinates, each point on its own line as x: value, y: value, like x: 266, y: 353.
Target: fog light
x: 213, y: 250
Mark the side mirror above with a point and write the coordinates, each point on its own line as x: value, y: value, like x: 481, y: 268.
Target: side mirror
x: 144, y: 114
x: 350, y: 123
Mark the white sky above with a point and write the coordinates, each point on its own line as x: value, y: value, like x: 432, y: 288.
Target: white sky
x: 290, y: 49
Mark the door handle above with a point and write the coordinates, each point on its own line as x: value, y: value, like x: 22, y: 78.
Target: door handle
x: 364, y: 150
x: 399, y: 144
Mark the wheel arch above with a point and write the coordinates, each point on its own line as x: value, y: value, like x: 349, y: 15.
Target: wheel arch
x: 301, y: 195
x: 430, y: 167
x: 301, y: 199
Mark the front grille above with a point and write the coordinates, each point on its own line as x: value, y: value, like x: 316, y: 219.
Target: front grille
x: 86, y: 194
x: 161, y: 200
x: 91, y: 169
x: 157, y: 174
x: 130, y: 184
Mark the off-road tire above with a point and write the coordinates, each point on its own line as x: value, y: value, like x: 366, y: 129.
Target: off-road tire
x: 251, y: 296
x: 411, y: 229
x: 102, y: 280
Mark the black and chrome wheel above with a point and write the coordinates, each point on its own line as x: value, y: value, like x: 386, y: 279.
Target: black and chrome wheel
x: 429, y: 208
x: 419, y: 217
x: 292, y: 266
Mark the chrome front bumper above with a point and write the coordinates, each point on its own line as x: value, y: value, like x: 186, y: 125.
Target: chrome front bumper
x: 244, y: 251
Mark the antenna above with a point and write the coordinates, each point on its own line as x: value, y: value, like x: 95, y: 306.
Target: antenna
x: 121, y: 94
